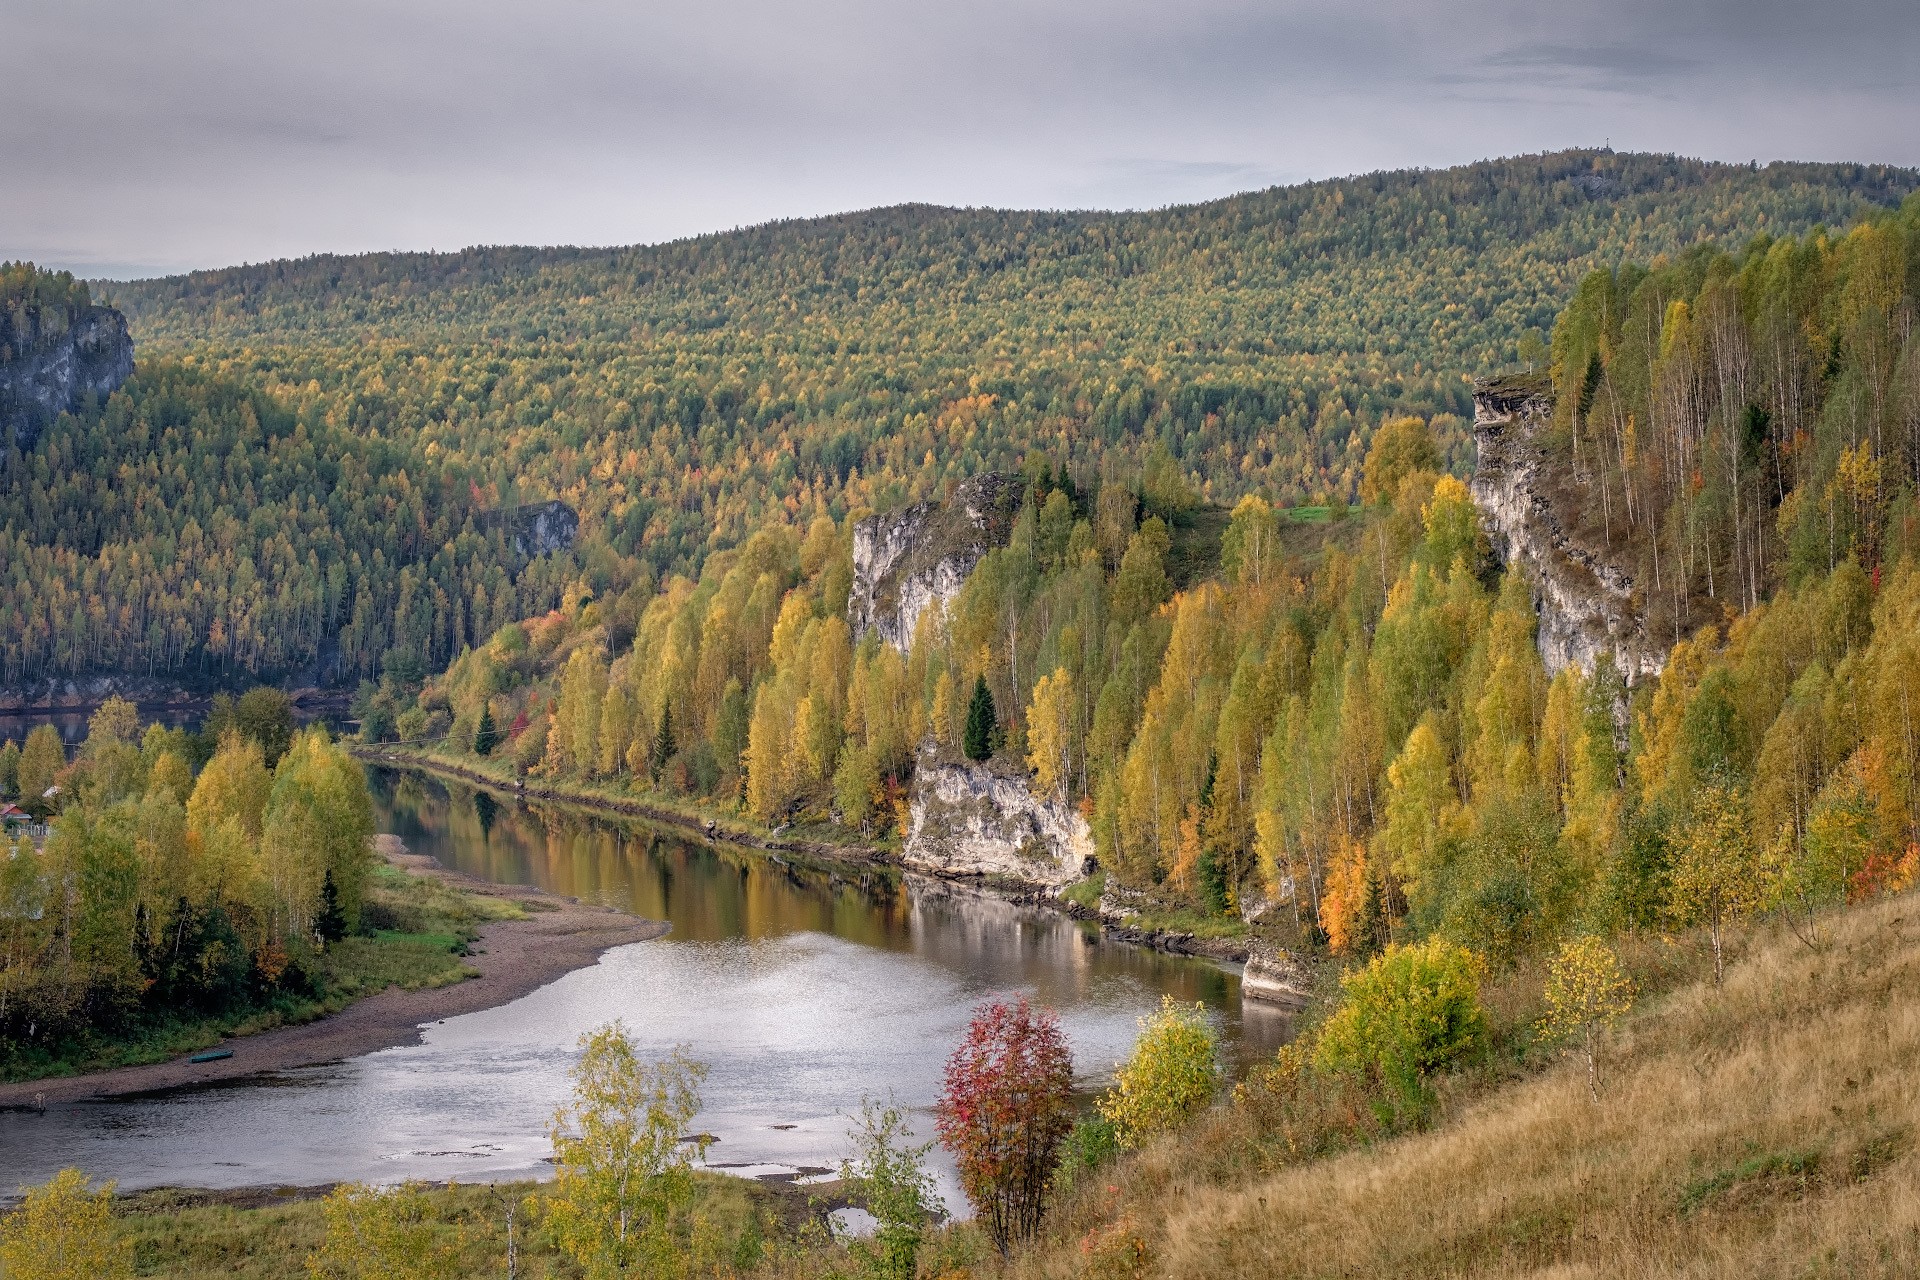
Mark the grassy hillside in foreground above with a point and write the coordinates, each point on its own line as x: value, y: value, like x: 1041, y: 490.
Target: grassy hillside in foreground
x: 1764, y: 1128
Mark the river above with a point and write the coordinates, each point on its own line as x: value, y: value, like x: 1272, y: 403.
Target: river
x: 802, y: 987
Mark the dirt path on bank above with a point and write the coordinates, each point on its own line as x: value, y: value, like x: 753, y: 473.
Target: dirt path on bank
x: 513, y: 957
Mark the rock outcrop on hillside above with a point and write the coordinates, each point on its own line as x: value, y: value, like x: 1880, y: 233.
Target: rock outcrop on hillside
x: 1587, y: 606
x: 975, y: 820
x: 908, y: 561
x: 543, y: 527
x: 51, y: 360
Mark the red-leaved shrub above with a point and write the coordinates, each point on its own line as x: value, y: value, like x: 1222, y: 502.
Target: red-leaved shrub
x: 1006, y: 1107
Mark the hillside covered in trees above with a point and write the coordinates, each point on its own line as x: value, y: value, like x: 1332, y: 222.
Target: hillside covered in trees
x: 316, y: 451
x: 1361, y: 732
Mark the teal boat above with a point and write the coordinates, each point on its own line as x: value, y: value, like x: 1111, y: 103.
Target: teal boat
x: 211, y: 1055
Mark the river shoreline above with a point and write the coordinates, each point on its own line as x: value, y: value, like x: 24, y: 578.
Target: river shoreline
x: 1117, y: 927
x: 703, y: 828
x: 511, y: 958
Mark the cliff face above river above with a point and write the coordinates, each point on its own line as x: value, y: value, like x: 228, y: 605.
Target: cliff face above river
x: 974, y: 820
x: 907, y: 561
x: 52, y: 357
x: 1588, y: 606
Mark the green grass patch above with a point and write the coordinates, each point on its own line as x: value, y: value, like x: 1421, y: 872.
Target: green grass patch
x: 1086, y: 893
x: 269, y: 1234
x: 1774, y: 1174
x: 1198, y: 923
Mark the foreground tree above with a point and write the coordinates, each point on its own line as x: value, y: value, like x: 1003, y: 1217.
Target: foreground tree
x: 1586, y: 993
x: 1006, y: 1105
x: 62, y: 1231
x: 622, y: 1170
x: 486, y: 736
x: 1717, y: 878
x: 385, y: 1233
x: 1171, y: 1075
x: 1408, y: 1014
x: 888, y: 1176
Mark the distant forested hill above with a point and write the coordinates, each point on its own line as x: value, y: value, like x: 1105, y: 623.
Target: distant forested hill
x: 1258, y: 337
x: 312, y: 448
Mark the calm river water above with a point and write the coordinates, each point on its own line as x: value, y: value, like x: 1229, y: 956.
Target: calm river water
x: 802, y: 987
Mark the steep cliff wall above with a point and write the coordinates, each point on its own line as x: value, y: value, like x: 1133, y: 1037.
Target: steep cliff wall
x: 973, y: 820
x: 51, y: 359
x: 543, y: 527
x: 1587, y: 605
x: 907, y: 561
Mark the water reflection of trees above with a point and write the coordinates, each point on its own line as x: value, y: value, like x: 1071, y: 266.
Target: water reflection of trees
x: 717, y: 892
x: 707, y: 891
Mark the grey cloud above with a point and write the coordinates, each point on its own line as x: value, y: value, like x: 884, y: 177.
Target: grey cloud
x: 200, y: 132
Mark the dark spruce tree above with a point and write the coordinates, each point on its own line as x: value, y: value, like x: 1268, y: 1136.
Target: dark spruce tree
x: 330, y: 922
x: 485, y: 736
x: 983, y: 727
x: 662, y: 744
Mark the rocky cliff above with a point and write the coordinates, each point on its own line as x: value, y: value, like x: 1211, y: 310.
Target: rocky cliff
x: 543, y: 527
x: 1587, y: 605
x: 975, y: 820
x: 907, y: 561
x: 52, y: 357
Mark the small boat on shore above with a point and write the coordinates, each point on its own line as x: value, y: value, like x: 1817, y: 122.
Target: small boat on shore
x: 211, y: 1055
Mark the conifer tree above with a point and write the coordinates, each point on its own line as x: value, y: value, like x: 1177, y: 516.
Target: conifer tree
x: 485, y: 736
x: 982, y: 724
x: 662, y: 743
x: 330, y: 921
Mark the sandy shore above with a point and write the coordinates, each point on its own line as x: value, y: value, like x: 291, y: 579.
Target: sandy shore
x: 513, y: 957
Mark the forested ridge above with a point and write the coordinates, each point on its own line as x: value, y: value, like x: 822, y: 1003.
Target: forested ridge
x: 359, y: 418
x: 1362, y: 735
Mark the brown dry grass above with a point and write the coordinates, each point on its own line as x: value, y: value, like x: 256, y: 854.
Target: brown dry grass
x: 1763, y: 1129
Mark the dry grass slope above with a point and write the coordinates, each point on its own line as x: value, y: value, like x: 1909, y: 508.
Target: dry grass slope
x: 1763, y: 1129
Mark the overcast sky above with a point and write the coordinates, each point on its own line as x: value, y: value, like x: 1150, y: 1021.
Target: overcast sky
x: 140, y: 136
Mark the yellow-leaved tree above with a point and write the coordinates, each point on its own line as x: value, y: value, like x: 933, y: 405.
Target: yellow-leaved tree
x: 1050, y: 734
x: 385, y: 1233
x: 63, y: 1231
x: 621, y: 1169
x: 319, y: 825
x: 1717, y: 876
x: 1172, y: 1074
x: 1586, y: 993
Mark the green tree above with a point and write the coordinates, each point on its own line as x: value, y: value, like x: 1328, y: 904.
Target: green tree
x: 329, y: 921
x: 888, y: 1177
x: 662, y: 752
x: 621, y: 1170
x: 485, y: 735
x: 265, y: 714
x: 982, y: 723
x: 1411, y: 1012
x: 1171, y: 1075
